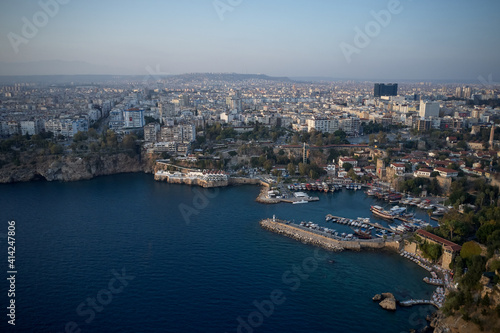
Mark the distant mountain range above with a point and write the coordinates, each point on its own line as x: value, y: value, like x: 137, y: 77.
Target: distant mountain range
x: 59, y: 71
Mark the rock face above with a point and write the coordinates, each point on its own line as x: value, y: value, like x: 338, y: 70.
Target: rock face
x: 70, y: 168
x: 388, y: 301
x: 388, y: 304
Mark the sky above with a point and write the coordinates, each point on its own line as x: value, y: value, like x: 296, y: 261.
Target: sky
x: 412, y: 39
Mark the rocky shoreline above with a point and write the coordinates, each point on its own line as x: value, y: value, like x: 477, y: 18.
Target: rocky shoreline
x: 72, y: 168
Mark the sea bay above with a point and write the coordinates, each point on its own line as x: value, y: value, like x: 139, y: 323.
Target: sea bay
x: 197, y: 271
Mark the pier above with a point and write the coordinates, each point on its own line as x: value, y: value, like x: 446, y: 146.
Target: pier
x: 323, y: 239
x: 412, y: 302
x: 375, y: 225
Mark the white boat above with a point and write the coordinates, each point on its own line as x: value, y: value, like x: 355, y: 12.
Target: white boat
x: 300, y: 202
x: 397, y: 210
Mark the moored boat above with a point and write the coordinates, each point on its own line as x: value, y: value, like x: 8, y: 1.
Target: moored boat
x: 379, y: 211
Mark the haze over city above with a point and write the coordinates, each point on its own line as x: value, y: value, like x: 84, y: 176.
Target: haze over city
x: 427, y: 40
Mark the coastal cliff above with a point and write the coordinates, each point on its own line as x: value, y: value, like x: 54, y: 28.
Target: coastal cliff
x: 72, y: 168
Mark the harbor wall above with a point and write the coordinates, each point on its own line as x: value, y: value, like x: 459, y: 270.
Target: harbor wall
x: 244, y: 181
x: 191, y: 181
x: 328, y: 243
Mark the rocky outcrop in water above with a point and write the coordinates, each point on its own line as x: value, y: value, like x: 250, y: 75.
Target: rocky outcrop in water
x: 387, y: 301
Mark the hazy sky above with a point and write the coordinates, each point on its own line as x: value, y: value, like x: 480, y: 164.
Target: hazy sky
x: 423, y: 39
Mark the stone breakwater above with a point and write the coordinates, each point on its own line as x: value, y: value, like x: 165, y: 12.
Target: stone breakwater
x: 308, y: 237
x: 301, y: 235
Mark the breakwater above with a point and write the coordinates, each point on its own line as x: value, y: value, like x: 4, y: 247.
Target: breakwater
x: 296, y: 232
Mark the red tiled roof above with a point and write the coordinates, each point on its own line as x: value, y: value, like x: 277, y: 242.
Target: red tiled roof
x: 440, y: 240
x: 446, y: 170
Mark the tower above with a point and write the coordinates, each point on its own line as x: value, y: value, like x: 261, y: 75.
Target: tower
x: 492, y: 135
x: 304, y: 154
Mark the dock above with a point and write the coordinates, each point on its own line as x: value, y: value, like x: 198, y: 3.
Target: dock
x: 323, y: 239
x: 412, y: 302
x: 375, y: 225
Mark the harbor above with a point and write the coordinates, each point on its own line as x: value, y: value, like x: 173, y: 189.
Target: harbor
x: 310, y: 233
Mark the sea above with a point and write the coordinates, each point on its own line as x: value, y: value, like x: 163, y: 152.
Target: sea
x: 125, y: 253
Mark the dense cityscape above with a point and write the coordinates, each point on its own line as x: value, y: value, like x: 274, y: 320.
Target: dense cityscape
x: 219, y: 166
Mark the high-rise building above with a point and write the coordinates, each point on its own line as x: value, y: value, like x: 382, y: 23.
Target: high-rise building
x: 133, y: 118
x: 467, y: 92
x: 383, y: 89
x: 179, y: 133
x: 429, y: 109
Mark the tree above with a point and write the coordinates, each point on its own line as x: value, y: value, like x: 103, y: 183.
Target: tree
x: 55, y: 148
x: 111, y: 139
x: 462, y: 144
x: 451, y: 226
x: 371, y: 139
x: 303, y: 169
x: 347, y: 166
x: 92, y: 133
x: 268, y: 165
x: 434, y: 187
x: 431, y: 250
x: 291, y: 169
x: 80, y: 136
x: 129, y: 141
x: 382, y: 137
x: 470, y: 249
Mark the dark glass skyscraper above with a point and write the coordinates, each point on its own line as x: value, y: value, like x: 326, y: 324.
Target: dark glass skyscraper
x: 382, y: 89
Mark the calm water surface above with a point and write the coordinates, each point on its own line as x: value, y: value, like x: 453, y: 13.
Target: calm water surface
x: 127, y: 254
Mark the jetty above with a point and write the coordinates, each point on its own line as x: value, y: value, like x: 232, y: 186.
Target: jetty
x: 324, y: 239
x: 412, y: 302
x: 364, y: 221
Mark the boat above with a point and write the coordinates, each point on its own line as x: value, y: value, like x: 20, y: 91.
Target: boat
x: 379, y: 211
x: 396, y: 210
x: 362, y: 234
x: 300, y: 202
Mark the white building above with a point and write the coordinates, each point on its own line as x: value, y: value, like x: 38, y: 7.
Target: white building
x: 350, y: 125
x: 429, y: 109
x: 179, y: 133
x: 29, y: 127
x: 151, y: 132
x: 133, y: 118
x: 322, y: 124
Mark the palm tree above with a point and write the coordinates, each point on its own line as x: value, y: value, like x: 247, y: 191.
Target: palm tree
x: 429, y: 212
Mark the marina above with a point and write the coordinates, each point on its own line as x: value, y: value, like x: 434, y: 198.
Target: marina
x: 312, y: 233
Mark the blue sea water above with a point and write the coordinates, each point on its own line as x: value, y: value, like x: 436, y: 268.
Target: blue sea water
x: 127, y: 254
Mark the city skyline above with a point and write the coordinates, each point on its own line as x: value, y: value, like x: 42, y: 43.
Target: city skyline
x: 385, y: 40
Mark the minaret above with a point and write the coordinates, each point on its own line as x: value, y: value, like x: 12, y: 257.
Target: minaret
x: 492, y: 134
x: 304, y: 154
